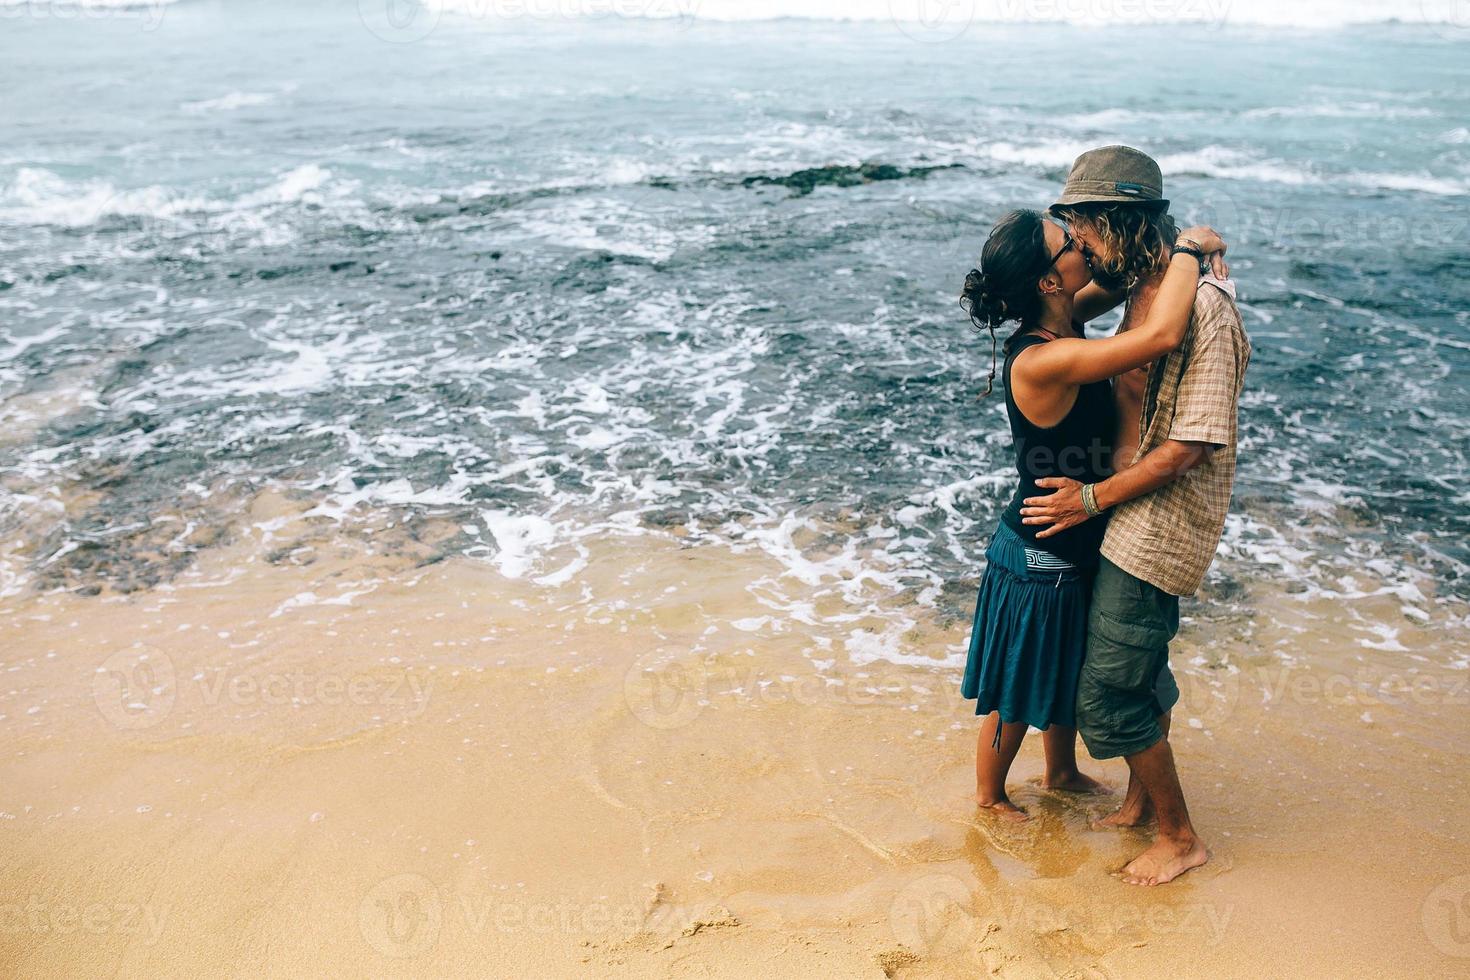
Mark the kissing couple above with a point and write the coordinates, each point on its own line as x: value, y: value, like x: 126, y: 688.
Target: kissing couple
x: 1125, y: 452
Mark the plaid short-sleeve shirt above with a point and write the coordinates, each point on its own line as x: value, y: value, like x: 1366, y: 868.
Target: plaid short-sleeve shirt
x: 1169, y: 537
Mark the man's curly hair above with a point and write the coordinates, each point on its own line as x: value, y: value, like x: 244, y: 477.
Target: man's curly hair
x: 1133, y: 240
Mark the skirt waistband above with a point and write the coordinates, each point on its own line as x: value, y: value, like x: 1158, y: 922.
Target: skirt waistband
x: 1010, y: 551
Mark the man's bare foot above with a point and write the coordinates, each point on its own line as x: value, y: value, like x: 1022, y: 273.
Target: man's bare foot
x: 1165, y: 861
x: 1125, y: 816
x: 1075, y: 781
x: 1002, y: 808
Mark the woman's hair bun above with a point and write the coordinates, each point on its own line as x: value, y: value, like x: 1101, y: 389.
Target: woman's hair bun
x: 1014, y: 259
x: 986, y: 306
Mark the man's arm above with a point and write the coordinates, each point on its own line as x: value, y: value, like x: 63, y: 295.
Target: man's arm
x: 1204, y: 417
x: 1063, y: 509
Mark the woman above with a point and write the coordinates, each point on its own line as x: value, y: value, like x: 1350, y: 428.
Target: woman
x: 1030, y: 626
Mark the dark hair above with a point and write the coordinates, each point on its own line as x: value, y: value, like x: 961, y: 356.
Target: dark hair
x: 1004, y: 287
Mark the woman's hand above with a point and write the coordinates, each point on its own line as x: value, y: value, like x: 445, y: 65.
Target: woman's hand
x: 1210, y: 243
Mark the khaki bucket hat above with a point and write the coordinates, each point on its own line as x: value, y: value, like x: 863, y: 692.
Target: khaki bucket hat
x: 1114, y: 175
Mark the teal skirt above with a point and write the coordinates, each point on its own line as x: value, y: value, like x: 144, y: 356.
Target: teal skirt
x: 1029, y: 634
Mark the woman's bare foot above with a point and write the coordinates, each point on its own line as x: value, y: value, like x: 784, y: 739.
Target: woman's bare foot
x: 1074, y: 781
x: 1165, y: 861
x: 1002, y: 808
x: 1130, y: 814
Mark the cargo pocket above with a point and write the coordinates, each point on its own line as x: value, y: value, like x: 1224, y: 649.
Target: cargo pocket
x: 1124, y: 655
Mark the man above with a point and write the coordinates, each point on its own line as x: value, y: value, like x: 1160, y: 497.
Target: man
x: 1168, y: 506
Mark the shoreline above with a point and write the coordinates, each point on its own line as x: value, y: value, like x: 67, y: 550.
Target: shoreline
x: 355, y: 761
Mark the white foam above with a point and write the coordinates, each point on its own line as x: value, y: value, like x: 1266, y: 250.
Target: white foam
x: 1047, y: 153
x: 1388, y: 638
x: 520, y: 538
x: 304, y: 599
x: 953, y: 16
x: 39, y: 196
x: 1233, y: 164
x: 294, y: 185
x: 1339, y: 110
x: 228, y: 102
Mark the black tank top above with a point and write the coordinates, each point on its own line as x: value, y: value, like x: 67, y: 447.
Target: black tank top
x: 1080, y: 446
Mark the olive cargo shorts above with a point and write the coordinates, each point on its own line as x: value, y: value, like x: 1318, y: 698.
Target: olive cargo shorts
x: 1126, y: 683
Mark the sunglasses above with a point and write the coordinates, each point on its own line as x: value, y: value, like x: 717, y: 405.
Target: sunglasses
x: 1067, y: 245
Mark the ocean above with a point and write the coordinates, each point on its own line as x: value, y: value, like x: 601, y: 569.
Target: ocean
x: 696, y: 273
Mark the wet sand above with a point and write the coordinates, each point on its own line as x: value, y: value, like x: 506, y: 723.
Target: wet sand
x: 311, y: 753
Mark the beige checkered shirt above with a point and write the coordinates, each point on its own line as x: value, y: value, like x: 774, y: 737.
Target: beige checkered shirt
x: 1169, y: 537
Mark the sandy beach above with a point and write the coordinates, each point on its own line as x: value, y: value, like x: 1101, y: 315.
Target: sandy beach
x: 487, y: 495
x: 316, y: 754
